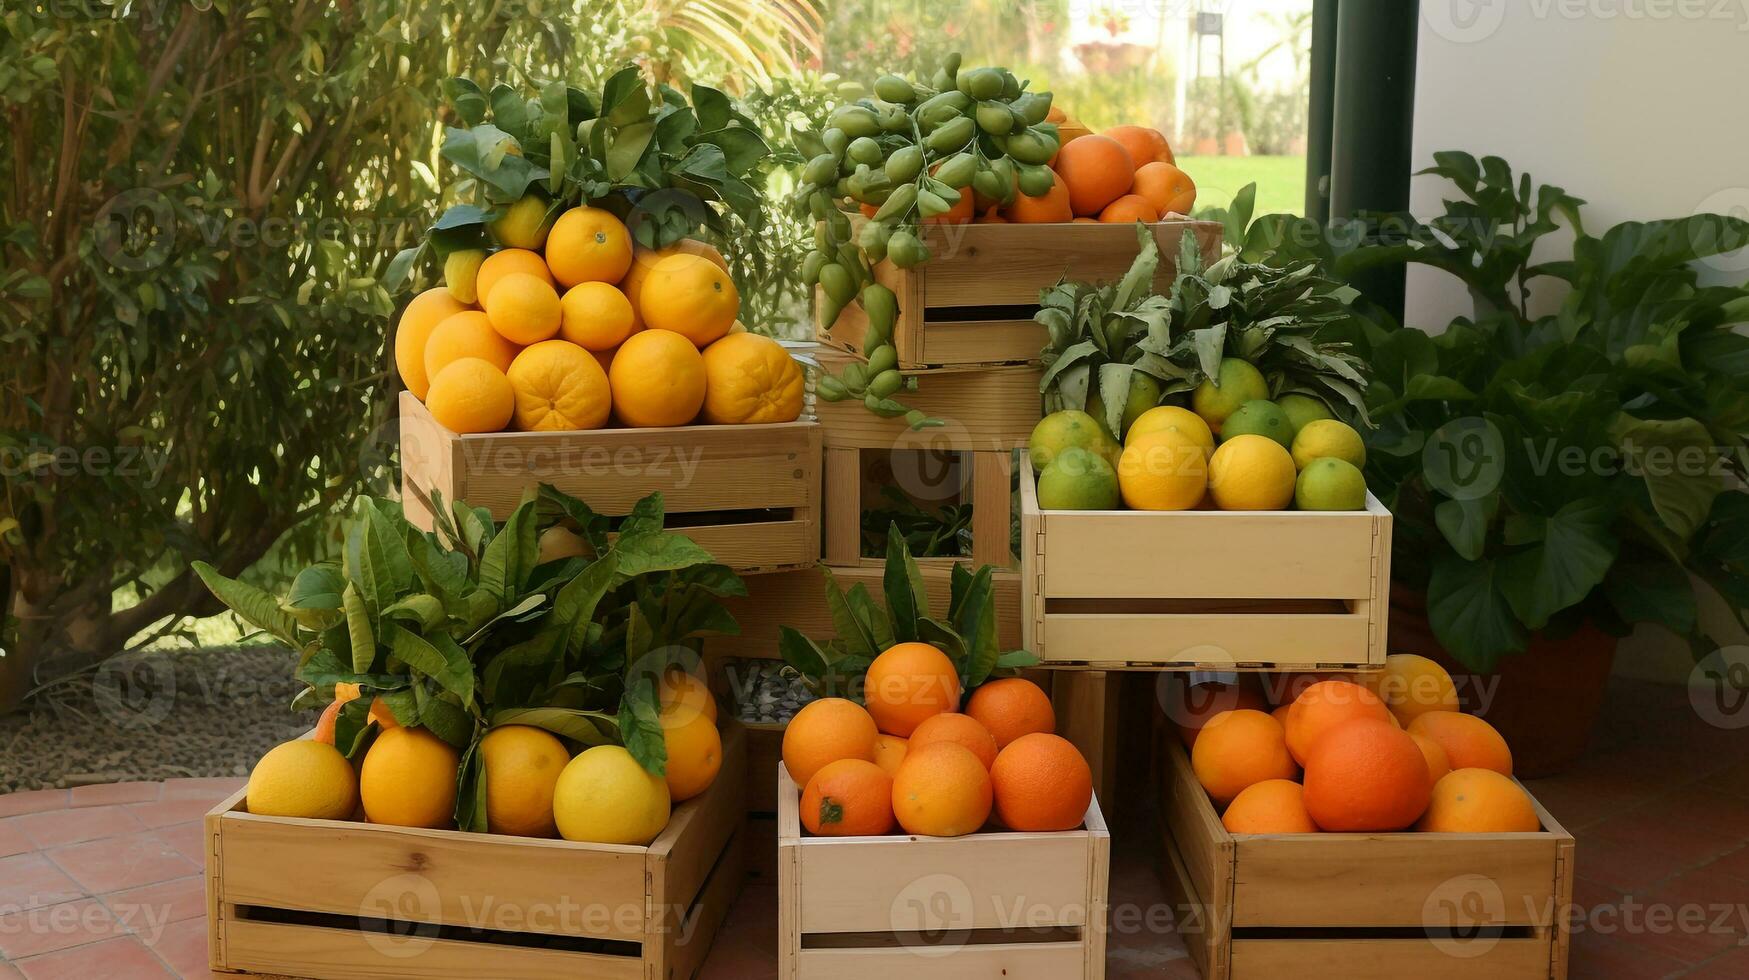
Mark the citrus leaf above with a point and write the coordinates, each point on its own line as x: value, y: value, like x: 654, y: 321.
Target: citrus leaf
x: 257, y: 608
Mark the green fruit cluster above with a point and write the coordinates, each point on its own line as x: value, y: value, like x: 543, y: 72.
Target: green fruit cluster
x: 910, y: 152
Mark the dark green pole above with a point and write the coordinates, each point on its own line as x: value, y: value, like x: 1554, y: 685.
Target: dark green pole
x: 1322, y: 109
x: 1372, y: 130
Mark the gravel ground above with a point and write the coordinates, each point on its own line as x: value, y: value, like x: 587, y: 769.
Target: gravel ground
x: 192, y: 712
x: 762, y: 692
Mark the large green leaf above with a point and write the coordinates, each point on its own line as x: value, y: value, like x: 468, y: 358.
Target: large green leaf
x: 907, y: 598
x: 1575, y: 549
x: 256, y: 607
x: 376, y: 558
x: 360, y: 634
x: 1465, y: 523
x: 437, y: 657
x: 1645, y: 588
x: 511, y: 555
x: 640, y: 726
x: 470, y: 791
x: 1470, y: 614
x: 588, y: 727
x: 852, y: 631
x: 1678, y: 460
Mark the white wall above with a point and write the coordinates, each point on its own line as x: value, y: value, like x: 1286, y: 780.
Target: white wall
x: 1639, y: 107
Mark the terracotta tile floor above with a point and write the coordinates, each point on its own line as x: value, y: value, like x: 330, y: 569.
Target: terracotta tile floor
x: 104, y: 881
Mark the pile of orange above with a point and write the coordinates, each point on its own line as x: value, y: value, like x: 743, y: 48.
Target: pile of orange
x: 1368, y: 753
x: 1125, y: 174
x: 913, y: 756
x: 570, y: 325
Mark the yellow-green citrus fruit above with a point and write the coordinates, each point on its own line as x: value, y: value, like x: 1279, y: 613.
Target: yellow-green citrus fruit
x: 1302, y: 409
x: 1144, y: 394
x: 1260, y: 418
x: 523, y: 224
x: 522, y: 767
x: 1068, y: 430
x: 408, y: 779
x: 1328, y: 438
x: 1412, y: 686
x: 471, y: 395
x: 303, y: 778
x: 418, y: 320
x: 1173, y: 417
x: 1163, y: 470
x: 1330, y: 484
x: 1078, y: 479
x: 1237, y: 382
x: 1251, y: 473
x: 558, y: 542
x: 605, y: 797
x: 461, y: 271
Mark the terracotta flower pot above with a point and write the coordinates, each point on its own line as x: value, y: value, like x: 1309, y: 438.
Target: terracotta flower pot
x: 1545, y: 701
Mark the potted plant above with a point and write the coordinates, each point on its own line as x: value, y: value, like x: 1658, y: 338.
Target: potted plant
x: 1558, y: 477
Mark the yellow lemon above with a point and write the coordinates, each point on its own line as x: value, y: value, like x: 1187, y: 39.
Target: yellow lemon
x: 596, y: 316
x: 467, y: 334
x: 695, y: 755
x: 1412, y: 686
x: 504, y: 262
x: 522, y: 767
x: 471, y: 395
x: 1174, y: 417
x: 408, y: 779
x: 523, y: 224
x: 303, y: 778
x: 588, y: 245
x: 605, y: 797
x: 1236, y: 383
x: 751, y: 378
x: 645, y: 259
x: 524, y: 309
x: 1065, y: 430
x: 1163, y: 470
x: 418, y: 320
x: 461, y: 274
x: 657, y: 379
x: 558, y: 542
x: 1328, y: 438
x: 1251, y: 472
x: 683, y: 695
x: 691, y: 296
x: 558, y: 387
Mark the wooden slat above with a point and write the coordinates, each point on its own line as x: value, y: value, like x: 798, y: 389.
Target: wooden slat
x: 689, y: 847
x: 843, y: 497
x: 1007, y: 961
x: 992, y: 507
x: 1201, y: 844
x: 993, y: 408
x: 949, y: 341
x: 427, y: 460
x: 1386, y: 959
x: 1008, y: 264
x: 347, y: 954
x: 1086, y: 705
x: 759, y: 547
x: 1207, y: 640
x: 685, y: 949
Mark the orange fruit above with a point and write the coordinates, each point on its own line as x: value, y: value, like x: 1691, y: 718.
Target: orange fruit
x: 1287, y: 686
x: 908, y: 683
x: 1279, y: 713
x: 1324, y: 706
x: 409, y: 779
x: 1468, y: 741
x: 1010, y: 707
x: 1274, y: 806
x: 504, y: 262
x: 1238, y: 748
x: 588, y: 245
x: 695, y: 753
x: 951, y: 726
x: 559, y: 388
x: 1085, y: 221
x: 848, y: 798
x: 645, y: 259
x: 750, y: 378
x: 1190, y: 706
x: 471, y: 395
x: 1412, y: 686
x: 1366, y: 776
x: 467, y: 334
x: 824, y: 731
x: 1144, y: 143
x: 1169, y: 189
x: 1041, y: 783
x: 1051, y: 207
x: 324, y: 732
x: 690, y: 295
x: 992, y: 217
x: 422, y: 315
x: 657, y: 379
x: 683, y: 694
x: 1098, y: 171
x: 941, y: 790
x: 596, y: 316
x: 890, y: 752
x: 1479, y: 801
x: 1438, y: 764
x: 522, y: 765
x: 1130, y: 208
x: 524, y: 309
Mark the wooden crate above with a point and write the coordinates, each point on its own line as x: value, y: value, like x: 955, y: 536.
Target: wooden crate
x: 338, y: 900
x: 984, y: 479
x: 984, y: 408
x: 1021, y: 906
x: 1362, y: 906
x: 1207, y: 590
x: 748, y: 494
x: 973, y: 301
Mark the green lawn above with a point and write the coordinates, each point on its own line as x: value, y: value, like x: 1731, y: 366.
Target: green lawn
x: 1281, y: 181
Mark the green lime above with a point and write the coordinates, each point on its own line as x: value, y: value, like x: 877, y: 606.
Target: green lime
x: 1237, y: 383
x: 1260, y: 418
x: 1330, y: 484
x: 1061, y: 431
x: 1302, y: 409
x: 1328, y: 437
x: 1078, y: 479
